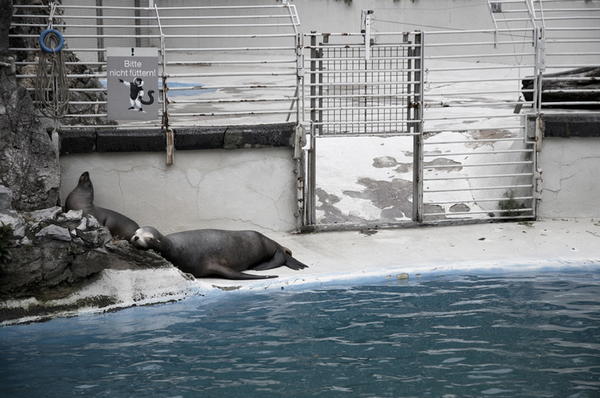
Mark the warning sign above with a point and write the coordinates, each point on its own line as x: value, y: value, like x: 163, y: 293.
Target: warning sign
x: 132, y: 83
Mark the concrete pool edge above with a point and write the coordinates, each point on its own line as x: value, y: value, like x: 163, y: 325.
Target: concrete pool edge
x: 336, y: 258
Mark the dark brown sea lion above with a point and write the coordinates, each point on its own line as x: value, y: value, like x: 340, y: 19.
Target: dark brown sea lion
x: 215, y: 252
x: 82, y: 198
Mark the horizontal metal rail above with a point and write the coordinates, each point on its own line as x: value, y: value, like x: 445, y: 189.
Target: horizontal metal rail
x: 462, y: 93
x: 233, y: 100
x: 448, y: 69
x: 216, y: 49
x: 231, y: 113
x: 475, y: 177
x: 489, y: 164
x: 77, y: 6
x: 478, y: 43
x: 130, y: 17
x: 480, y: 153
x: 477, y: 189
x: 175, y: 36
x: 458, y: 213
x: 466, y: 130
x: 494, y: 55
x: 473, y: 141
x: 478, y: 200
x: 457, y: 104
x: 167, y: 26
x: 471, y: 117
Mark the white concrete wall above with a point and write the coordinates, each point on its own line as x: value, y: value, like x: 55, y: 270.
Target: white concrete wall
x: 571, y: 178
x: 229, y: 189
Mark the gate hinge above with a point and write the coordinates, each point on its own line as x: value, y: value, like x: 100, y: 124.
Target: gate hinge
x: 299, y: 141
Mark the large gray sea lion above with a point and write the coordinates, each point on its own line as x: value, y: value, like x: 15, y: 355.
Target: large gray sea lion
x: 82, y: 198
x: 215, y: 252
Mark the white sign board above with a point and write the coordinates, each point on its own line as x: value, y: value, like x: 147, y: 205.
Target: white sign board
x: 132, y: 83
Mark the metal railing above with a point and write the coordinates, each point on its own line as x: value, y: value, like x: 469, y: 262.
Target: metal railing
x: 460, y: 98
x: 567, y: 78
x: 479, y: 162
x: 218, y: 64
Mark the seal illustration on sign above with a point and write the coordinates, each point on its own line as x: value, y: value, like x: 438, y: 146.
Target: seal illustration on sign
x: 82, y: 198
x: 136, y: 94
x: 215, y: 252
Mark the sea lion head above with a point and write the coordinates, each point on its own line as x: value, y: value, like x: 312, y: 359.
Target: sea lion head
x: 85, y: 181
x: 146, y: 238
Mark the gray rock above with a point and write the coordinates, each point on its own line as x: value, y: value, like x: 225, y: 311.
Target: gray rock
x: 54, y: 232
x: 93, y: 222
x: 5, y: 197
x: 19, y: 232
x: 48, y: 214
x: 73, y: 215
x: 15, y: 220
x: 25, y: 241
x: 82, y: 225
x: 37, y: 269
x: 28, y: 162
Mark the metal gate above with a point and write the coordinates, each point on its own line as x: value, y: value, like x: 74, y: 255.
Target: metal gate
x: 362, y: 85
x: 456, y: 95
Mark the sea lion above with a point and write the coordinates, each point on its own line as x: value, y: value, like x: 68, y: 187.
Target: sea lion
x: 215, y: 252
x: 82, y: 198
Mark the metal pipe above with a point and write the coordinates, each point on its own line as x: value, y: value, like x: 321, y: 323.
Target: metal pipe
x: 459, y: 213
x: 472, y: 200
x: 478, y: 189
x: 480, y: 153
x: 463, y: 177
x: 418, y: 107
x: 450, y: 166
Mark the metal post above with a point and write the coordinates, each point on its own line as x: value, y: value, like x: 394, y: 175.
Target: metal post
x: 538, y: 88
x: 418, y: 102
x: 409, y: 77
x: 300, y: 134
x: 169, y: 134
x: 320, y: 89
x: 100, y: 30
x: 310, y: 188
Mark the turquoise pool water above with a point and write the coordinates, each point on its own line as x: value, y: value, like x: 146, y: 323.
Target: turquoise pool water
x: 442, y: 336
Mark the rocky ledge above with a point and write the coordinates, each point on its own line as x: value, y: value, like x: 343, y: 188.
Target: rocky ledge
x: 47, y: 256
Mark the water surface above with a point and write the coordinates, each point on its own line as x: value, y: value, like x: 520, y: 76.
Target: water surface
x: 455, y: 336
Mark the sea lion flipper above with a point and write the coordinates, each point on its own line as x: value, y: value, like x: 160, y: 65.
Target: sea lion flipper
x: 277, y: 260
x: 216, y: 269
x: 292, y: 263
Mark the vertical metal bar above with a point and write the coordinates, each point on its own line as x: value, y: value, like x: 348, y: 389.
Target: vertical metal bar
x: 366, y: 85
x: 170, y: 137
x: 346, y: 103
x: 100, y: 30
x: 320, y: 126
x: 300, y: 141
x: 299, y: 76
x: 417, y: 215
x: 408, y: 85
x: 299, y: 64
x: 538, y: 88
x: 310, y: 210
x: 353, y: 91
